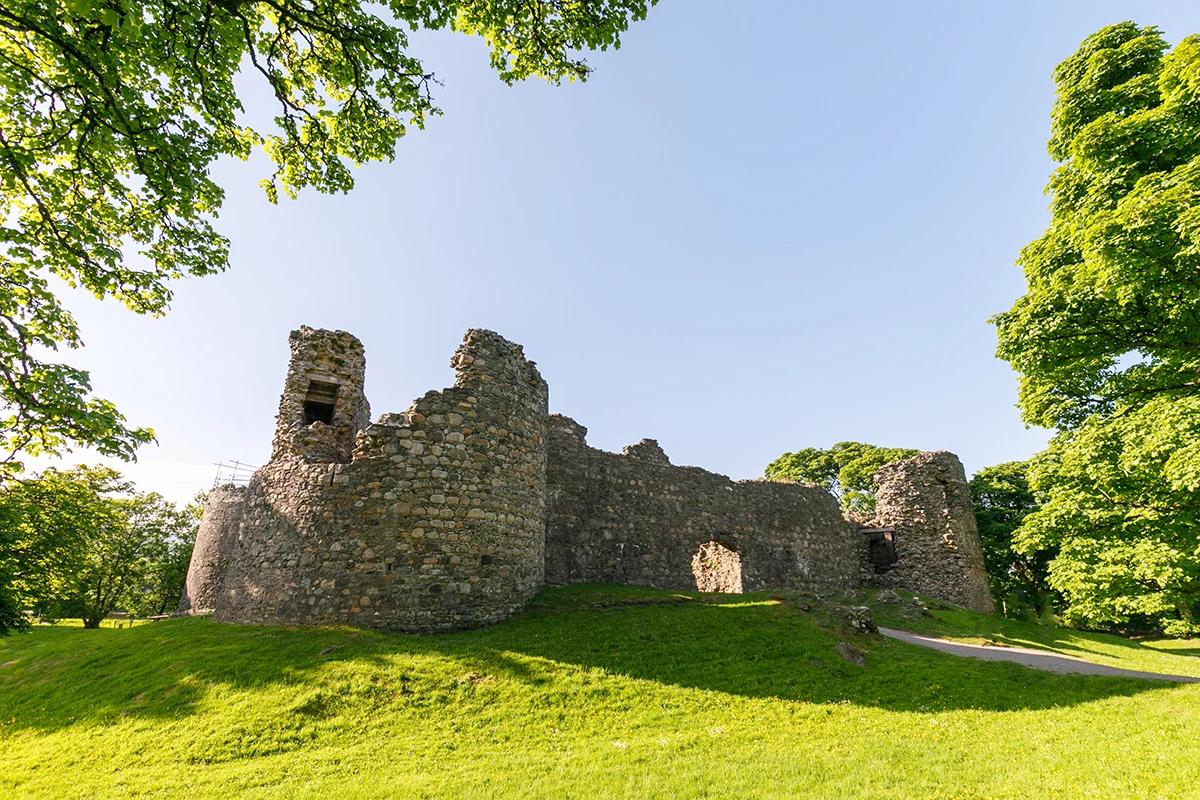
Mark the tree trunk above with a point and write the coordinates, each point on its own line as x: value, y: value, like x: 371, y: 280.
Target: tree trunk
x: 92, y: 622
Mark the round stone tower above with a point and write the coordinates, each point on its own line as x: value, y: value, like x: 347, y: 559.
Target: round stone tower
x: 429, y: 520
x: 215, y: 541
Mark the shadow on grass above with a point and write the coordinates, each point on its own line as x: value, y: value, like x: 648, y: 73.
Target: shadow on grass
x: 1181, y: 651
x: 747, y: 645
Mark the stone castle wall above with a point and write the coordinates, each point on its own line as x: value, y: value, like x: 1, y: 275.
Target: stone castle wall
x: 215, y: 542
x: 434, y: 520
x: 633, y: 518
x: 927, y: 501
x: 454, y: 513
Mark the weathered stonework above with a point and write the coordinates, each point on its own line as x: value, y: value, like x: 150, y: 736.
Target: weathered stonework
x: 323, y: 407
x: 454, y: 513
x: 717, y: 569
x: 434, y: 521
x: 636, y: 519
x: 215, y: 541
x: 927, y: 501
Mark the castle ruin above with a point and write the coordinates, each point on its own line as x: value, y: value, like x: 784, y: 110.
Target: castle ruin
x: 456, y: 512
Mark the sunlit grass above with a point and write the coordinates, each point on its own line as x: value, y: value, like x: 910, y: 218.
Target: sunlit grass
x: 1148, y: 655
x: 594, y: 692
x: 116, y: 623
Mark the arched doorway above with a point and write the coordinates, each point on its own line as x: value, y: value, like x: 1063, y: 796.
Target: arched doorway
x: 717, y: 569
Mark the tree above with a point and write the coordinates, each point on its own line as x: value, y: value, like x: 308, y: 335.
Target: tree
x: 113, y: 111
x: 847, y: 470
x: 1019, y: 583
x: 84, y: 544
x: 11, y: 605
x: 48, y: 523
x: 165, y: 575
x: 1107, y: 337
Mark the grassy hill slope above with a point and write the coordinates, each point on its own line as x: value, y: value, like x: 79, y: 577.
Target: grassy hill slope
x: 593, y: 692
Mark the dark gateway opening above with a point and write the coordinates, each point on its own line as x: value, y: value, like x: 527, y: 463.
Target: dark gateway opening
x: 882, y: 544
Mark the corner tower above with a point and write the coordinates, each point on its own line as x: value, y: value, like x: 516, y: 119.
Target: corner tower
x: 215, y: 541
x: 926, y: 502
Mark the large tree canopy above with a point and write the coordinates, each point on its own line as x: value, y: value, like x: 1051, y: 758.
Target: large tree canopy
x: 1107, y: 336
x: 112, y: 111
x: 46, y: 525
x: 1112, y: 311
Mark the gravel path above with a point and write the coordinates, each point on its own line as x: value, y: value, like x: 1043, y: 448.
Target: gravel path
x: 1037, y: 659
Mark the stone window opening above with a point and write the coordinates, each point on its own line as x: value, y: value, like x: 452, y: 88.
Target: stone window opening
x: 717, y: 569
x: 319, y: 402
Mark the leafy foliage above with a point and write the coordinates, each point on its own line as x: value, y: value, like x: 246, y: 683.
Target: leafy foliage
x: 112, y: 112
x: 48, y: 522
x: 1107, y: 336
x: 11, y: 606
x: 1019, y: 582
x: 164, y: 575
x: 1121, y: 507
x: 82, y: 543
x: 1110, y: 315
x: 847, y: 470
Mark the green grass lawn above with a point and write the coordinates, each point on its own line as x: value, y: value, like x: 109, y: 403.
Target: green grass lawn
x: 1147, y: 655
x: 593, y: 692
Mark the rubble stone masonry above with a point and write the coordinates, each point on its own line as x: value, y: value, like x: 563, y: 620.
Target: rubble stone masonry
x: 636, y: 519
x: 435, y: 523
x: 927, y: 500
x: 215, y: 541
x: 455, y: 513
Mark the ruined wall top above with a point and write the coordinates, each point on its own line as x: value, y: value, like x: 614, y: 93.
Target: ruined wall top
x: 635, y: 518
x: 322, y: 407
x: 489, y: 369
x: 489, y: 364
x: 647, y: 450
x: 567, y: 429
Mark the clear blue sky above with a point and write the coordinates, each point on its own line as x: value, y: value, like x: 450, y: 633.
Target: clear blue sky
x: 748, y: 233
